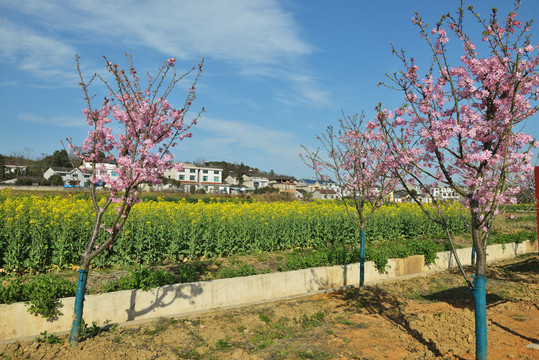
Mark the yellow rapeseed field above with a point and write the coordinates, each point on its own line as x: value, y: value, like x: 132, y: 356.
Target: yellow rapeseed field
x: 37, y: 233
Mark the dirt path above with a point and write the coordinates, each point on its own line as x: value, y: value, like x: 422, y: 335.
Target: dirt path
x: 421, y: 318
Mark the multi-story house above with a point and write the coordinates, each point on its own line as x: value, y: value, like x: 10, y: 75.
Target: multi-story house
x: 441, y: 192
x: 247, y: 183
x: 109, y: 169
x: 74, y: 177
x: 311, y: 185
x: 445, y: 193
x: 254, y: 182
x: 325, y: 194
x: 194, y: 177
x: 285, y: 185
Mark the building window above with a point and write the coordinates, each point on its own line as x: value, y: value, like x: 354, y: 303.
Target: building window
x: 216, y: 179
x: 204, y: 178
x: 182, y: 177
x: 192, y: 177
x: 204, y: 171
x: 192, y: 171
x: 216, y: 172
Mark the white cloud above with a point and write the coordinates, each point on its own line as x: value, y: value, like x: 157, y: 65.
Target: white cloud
x: 254, y: 37
x: 217, y: 139
x: 54, y: 120
x: 249, y: 137
x: 240, y: 31
x: 40, y: 55
x: 306, y: 89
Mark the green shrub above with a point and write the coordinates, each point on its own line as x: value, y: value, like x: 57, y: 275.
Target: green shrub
x: 236, y: 270
x: 43, y: 295
x: 147, y: 278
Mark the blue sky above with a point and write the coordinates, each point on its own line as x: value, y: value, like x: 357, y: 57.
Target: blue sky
x: 276, y: 72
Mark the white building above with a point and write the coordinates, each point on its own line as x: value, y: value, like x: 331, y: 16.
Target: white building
x: 193, y: 177
x: 445, y: 193
x: 255, y: 182
x: 15, y: 169
x: 108, y: 168
x: 78, y: 177
x: 440, y: 193
x: 325, y: 194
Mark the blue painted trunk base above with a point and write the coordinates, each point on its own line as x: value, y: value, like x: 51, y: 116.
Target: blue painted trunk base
x: 480, y: 302
x: 79, y: 303
x: 362, y: 260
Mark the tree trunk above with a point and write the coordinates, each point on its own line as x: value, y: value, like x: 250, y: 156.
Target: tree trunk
x: 362, y: 259
x: 479, y: 292
x: 79, y: 303
x: 480, y: 304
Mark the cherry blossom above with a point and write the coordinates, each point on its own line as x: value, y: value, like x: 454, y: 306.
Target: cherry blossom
x: 141, y: 151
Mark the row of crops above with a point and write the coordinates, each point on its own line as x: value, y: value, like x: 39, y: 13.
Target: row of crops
x: 39, y: 233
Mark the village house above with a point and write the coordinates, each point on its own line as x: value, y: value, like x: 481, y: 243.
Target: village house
x: 193, y: 177
x: 72, y: 177
x: 311, y: 185
x: 325, y: 194
x: 247, y: 183
x: 285, y: 185
x: 427, y: 195
x: 15, y: 169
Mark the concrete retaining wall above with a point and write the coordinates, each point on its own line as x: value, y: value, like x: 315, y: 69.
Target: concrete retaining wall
x: 183, y: 299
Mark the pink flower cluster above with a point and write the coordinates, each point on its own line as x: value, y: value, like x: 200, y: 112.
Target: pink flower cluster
x: 357, y: 159
x: 150, y: 128
x: 461, y: 122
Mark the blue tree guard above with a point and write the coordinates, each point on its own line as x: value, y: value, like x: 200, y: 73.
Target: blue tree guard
x: 79, y: 303
x: 362, y: 260
x: 480, y: 302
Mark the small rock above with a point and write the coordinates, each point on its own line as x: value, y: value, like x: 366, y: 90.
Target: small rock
x: 533, y: 346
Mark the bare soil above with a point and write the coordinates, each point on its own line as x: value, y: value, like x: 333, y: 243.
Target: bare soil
x: 427, y: 317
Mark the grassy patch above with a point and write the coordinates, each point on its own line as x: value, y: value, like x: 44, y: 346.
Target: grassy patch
x: 223, y: 344
x: 314, y: 354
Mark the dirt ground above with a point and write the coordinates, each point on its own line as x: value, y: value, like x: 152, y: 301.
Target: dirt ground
x: 428, y: 317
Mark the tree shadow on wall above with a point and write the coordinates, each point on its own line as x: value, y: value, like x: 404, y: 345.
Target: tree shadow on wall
x: 164, y: 296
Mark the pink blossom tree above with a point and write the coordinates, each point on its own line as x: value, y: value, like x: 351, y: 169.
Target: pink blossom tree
x: 458, y: 125
x: 355, y: 157
x: 135, y: 128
